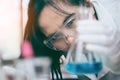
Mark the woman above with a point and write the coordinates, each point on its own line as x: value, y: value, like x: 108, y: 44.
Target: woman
x: 45, y: 19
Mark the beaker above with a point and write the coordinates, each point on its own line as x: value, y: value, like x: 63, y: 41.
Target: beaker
x: 80, y: 61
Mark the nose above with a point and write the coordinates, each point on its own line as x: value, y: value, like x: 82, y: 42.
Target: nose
x: 68, y: 43
x: 70, y: 39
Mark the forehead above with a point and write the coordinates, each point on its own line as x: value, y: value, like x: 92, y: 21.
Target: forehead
x: 62, y: 6
x: 51, y: 19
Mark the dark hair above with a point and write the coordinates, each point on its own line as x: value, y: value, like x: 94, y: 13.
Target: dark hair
x: 34, y: 34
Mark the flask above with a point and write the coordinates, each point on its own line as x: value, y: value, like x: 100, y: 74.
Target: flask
x: 80, y: 61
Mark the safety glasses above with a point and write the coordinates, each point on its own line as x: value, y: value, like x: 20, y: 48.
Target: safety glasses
x: 59, y: 40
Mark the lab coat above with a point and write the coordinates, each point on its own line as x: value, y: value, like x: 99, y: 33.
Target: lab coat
x: 108, y: 12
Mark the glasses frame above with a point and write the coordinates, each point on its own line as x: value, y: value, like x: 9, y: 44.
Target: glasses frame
x: 47, y: 42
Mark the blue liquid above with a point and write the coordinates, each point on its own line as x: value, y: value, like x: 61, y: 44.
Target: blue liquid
x: 84, y: 68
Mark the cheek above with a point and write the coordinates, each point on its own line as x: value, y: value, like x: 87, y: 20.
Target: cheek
x: 60, y: 45
x: 69, y: 33
x: 63, y: 45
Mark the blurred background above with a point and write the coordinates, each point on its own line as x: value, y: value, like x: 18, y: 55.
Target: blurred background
x: 13, y: 17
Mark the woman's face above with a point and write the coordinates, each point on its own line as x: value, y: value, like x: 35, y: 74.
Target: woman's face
x: 50, y: 21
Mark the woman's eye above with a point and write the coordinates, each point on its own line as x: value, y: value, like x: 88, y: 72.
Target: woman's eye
x: 70, y: 23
